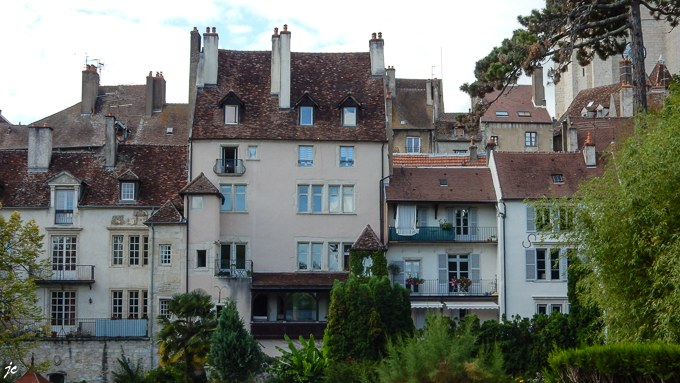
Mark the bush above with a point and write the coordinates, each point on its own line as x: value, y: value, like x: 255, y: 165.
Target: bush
x: 169, y: 374
x: 351, y: 372
x: 616, y: 363
x: 127, y: 372
x: 299, y: 365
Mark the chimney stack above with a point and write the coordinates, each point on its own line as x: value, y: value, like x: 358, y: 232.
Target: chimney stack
x: 589, y: 152
x: 210, y: 64
x: 391, y: 81
x: 538, y: 88
x: 155, y: 93
x: 90, y: 90
x: 284, y: 92
x: 111, y: 143
x: 276, y: 63
x: 194, y: 64
x: 473, y: 151
x: 436, y: 99
x: 626, y: 71
x: 376, y: 48
x: 626, y: 100
x: 490, y: 147
x: 39, y: 148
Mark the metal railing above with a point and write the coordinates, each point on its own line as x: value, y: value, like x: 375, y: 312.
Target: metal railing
x: 63, y: 216
x: 230, y: 268
x: 276, y: 330
x: 439, y: 234
x: 68, y: 273
x: 479, y: 287
x: 66, y: 326
x: 229, y: 166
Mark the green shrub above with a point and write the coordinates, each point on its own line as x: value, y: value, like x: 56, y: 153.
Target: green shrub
x: 616, y: 363
x: 351, y: 372
x: 169, y: 374
x: 127, y: 372
x: 299, y: 365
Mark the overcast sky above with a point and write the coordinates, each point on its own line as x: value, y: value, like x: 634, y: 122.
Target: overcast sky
x: 46, y: 43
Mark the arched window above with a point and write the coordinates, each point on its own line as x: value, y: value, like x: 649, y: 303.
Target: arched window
x: 302, y: 307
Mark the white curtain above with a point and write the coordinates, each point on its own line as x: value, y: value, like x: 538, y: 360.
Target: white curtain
x: 406, y: 220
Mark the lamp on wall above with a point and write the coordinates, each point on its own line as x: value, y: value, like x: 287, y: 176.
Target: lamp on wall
x: 90, y: 300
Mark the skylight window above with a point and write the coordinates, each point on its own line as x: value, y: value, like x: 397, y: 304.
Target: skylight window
x: 443, y: 182
x: 590, y: 104
x: 557, y: 178
x: 524, y: 114
x: 501, y: 113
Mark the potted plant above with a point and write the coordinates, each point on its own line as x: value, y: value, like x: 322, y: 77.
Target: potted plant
x: 393, y: 268
x: 53, y: 334
x: 445, y: 224
x: 460, y: 284
x: 413, y: 282
x: 493, y: 238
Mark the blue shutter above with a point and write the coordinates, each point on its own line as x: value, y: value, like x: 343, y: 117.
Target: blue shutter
x: 474, y: 267
x: 531, y: 225
x: 531, y: 264
x: 400, y: 278
x: 443, y: 273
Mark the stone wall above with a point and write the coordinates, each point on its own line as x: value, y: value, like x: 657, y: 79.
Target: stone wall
x: 93, y: 359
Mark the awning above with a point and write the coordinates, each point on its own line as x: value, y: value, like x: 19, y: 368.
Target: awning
x: 426, y: 305
x: 471, y: 305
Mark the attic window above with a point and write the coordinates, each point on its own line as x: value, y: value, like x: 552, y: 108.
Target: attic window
x: 443, y: 182
x: 129, y: 191
x: 231, y: 114
x: 169, y: 130
x: 350, y: 110
x: 557, y: 179
x: 233, y: 107
x: 306, y: 116
x: 524, y: 114
x: 501, y: 113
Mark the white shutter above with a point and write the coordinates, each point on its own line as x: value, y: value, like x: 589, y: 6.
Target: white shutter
x: 474, y: 268
x: 422, y: 216
x: 473, y: 223
x: 443, y: 273
x: 531, y: 264
x: 564, y: 264
x: 531, y: 225
x: 399, y: 278
x: 449, y: 214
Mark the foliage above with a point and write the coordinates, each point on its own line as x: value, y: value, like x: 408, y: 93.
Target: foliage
x: 300, y: 365
x: 414, y: 281
x: 185, y: 336
x: 168, y: 374
x: 363, y: 316
x: 234, y: 354
x: 626, y: 230
x: 20, y: 265
x: 439, y: 356
x: 378, y: 266
x: 351, y: 372
x: 584, y: 319
x: 616, y: 363
x: 127, y: 371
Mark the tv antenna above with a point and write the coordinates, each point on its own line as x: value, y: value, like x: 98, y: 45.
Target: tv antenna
x: 96, y: 62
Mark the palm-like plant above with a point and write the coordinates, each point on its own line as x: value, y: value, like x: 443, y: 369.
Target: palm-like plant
x: 185, y: 335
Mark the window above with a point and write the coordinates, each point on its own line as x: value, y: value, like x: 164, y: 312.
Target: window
x: 145, y: 250
x: 307, y: 258
x: 524, y: 114
x: 346, y: 156
x: 305, y: 157
x: 117, y: 258
x: 412, y: 269
x: 529, y: 138
x: 134, y: 250
x: 412, y: 144
x: 201, y: 258
x: 163, y: 307
x: 63, y: 308
x: 341, y: 199
x: 306, y: 116
x: 232, y: 260
x: 231, y: 114
x: 542, y: 308
x: 196, y: 202
x: 64, y: 257
x: 127, y: 191
x: 234, y: 198
x: 547, y: 264
x: 229, y: 163
x: 556, y: 308
x: 337, y: 199
x: 301, y: 307
x: 307, y: 204
x: 333, y: 256
x: 501, y: 113
x: 117, y: 304
x: 345, y: 255
x: 165, y: 254
x: 557, y: 178
x: 137, y: 250
x: 544, y: 218
x: 459, y: 266
x: 252, y: 152
x: 349, y: 116
x: 131, y: 304
x: 64, y: 206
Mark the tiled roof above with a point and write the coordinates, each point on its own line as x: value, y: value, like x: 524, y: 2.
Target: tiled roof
x: 516, y: 98
x: 162, y: 172
x: 410, y: 105
x: 168, y: 213
x: 13, y: 136
x: 422, y: 184
x: 302, y: 280
x: 603, y: 131
x: 200, y: 185
x: 599, y: 96
x: 436, y: 160
x: 128, y: 104
x: 530, y: 175
x: 32, y: 377
x: 367, y: 240
x: 444, y: 128
x: 660, y: 75
x: 128, y: 175
x: 329, y: 77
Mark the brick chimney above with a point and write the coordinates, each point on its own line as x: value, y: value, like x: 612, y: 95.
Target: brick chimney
x: 90, y: 90
x: 589, y: 152
x: 111, y: 143
x: 284, y: 92
x: 538, y: 90
x: 626, y: 71
x: 155, y: 94
x: 376, y: 48
x: 39, y: 148
x: 490, y: 147
x: 209, y: 57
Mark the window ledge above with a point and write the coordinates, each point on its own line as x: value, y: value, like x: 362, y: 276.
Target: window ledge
x: 127, y: 201
x: 252, y: 159
x: 234, y: 212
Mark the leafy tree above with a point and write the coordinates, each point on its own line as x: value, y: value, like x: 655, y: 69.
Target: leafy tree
x: 185, y: 336
x: 306, y: 364
x: 20, y: 265
x: 589, y: 27
x: 234, y: 354
x: 626, y: 231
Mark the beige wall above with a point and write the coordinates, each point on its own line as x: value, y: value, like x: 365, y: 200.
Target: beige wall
x: 511, y: 136
x: 400, y: 136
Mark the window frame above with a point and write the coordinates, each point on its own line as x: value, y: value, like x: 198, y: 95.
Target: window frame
x: 129, y: 303
x: 126, y: 252
x: 64, y: 205
x: 65, y: 302
x: 201, y: 258
x: 254, y: 157
x: 344, y: 116
x: 237, y: 114
x: 163, y: 307
x: 64, y: 252
x: 128, y: 195
x: 414, y: 139
x: 348, y: 155
x: 312, y: 257
x: 165, y: 254
x: 304, y: 112
x: 234, y: 197
x: 305, y: 156
x: 530, y: 139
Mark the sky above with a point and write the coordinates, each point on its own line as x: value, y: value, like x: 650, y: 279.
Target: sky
x: 47, y: 43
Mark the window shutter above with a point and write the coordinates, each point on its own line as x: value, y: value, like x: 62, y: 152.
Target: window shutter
x: 531, y: 225
x: 449, y: 214
x: 531, y: 264
x: 399, y: 278
x: 422, y: 216
x: 443, y: 273
x: 473, y: 222
x: 564, y: 265
x: 474, y: 268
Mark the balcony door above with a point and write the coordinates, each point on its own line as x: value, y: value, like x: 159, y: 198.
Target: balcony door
x: 64, y: 258
x: 457, y: 266
x: 229, y: 159
x: 464, y: 222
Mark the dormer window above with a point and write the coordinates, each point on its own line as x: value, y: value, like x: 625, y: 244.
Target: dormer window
x: 306, y: 116
x: 64, y: 205
x: 306, y: 106
x: 128, y: 191
x: 233, y: 108
x: 349, y: 108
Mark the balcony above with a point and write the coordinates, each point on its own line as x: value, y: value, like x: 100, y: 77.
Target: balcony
x: 226, y: 167
x: 68, y: 273
x: 437, y: 234
x: 66, y: 326
x: 63, y: 217
x: 227, y: 268
x: 443, y: 288
x: 276, y: 330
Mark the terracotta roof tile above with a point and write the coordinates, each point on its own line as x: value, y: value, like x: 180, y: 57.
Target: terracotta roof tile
x: 168, y: 213
x: 329, y: 77
x: 436, y: 160
x: 600, y: 95
x: 302, y: 280
x: 367, y: 240
x: 32, y: 377
x: 200, y: 185
x: 423, y: 184
x: 517, y: 98
x: 529, y: 175
x: 604, y: 130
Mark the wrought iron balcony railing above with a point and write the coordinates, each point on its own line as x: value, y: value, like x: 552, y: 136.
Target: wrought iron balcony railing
x: 439, y: 234
x: 229, y: 167
x: 436, y: 287
x: 63, y: 216
x: 229, y: 268
x: 68, y: 273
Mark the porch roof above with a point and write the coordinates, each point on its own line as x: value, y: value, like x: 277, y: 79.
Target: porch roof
x: 296, y: 281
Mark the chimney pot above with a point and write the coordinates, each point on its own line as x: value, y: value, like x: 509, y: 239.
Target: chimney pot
x: 380, y: 35
x: 276, y: 31
x: 45, y: 125
x: 9, y: 130
x: 214, y: 30
x: 373, y: 35
x: 195, y: 29
x: 285, y: 27
x: 207, y: 29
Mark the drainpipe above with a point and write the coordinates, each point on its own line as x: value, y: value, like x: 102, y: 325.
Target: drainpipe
x: 382, y: 208
x: 151, y: 295
x: 505, y: 296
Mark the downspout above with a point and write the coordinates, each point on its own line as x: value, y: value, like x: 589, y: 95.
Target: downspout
x: 382, y: 208
x: 505, y: 295
x: 186, y: 252
x: 151, y: 295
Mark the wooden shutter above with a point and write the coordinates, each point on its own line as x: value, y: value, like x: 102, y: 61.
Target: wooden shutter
x: 473, y: 223
x: 474, y: 268
x: 399, y: 278
x: 443, y: 273
x: 531, y: 264
x: 531, y: 225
